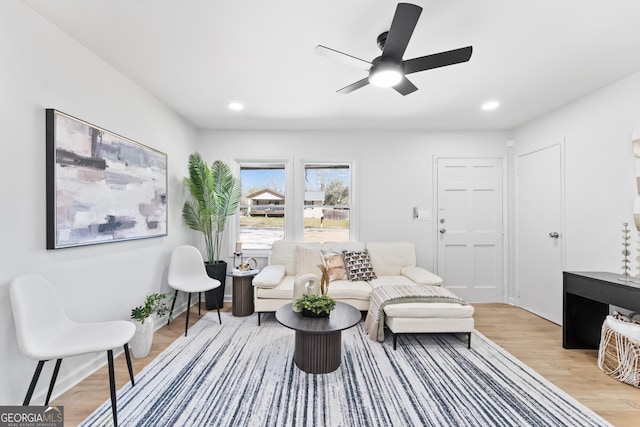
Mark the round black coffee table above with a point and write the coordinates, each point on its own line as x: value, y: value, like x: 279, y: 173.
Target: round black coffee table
x: 319, y: 339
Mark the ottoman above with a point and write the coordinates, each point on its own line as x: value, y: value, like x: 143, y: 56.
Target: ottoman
x: 429, y: 318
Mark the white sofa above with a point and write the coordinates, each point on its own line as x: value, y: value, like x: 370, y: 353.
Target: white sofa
x: 393, y: 263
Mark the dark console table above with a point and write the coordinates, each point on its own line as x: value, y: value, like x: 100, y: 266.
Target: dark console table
x: 586, y: 300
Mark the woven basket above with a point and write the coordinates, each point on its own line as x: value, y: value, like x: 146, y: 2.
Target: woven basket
x: 618, y: 356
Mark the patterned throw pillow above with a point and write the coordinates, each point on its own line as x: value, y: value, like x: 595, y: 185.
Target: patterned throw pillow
x: 335, y: 266
x: 358, y: 265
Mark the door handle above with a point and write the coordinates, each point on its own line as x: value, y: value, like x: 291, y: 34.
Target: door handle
x: 554, y: 234
x: 443, y: 230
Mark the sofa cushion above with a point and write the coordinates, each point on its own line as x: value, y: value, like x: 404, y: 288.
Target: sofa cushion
x: 283, y: 291
x: 345, y: 289
x: 336, y: 268
x: 283, y: 252
x: 441, y: 310
x: 358, y: 265
x: 269, y: 277
x: 388, y: 258
x: 391, y: 280
x: 421, y: 276
x: 307, y: 261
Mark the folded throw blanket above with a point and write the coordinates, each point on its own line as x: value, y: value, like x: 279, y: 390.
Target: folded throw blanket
x: 398, y: 294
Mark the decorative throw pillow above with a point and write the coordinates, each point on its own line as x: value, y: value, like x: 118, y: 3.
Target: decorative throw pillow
x: 335, y: 266
x: 269, y: 277
x: 307, y: 261
x: 358, y: 265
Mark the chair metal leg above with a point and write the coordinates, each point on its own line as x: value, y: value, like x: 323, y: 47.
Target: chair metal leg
x: 54, y: 376
x: 112, y: 387
x: 186, y: 326
x: 128, y: 357
x: 34, y: 381
x: 173, y: 304
x: 218, y: 308
x: 199, y: 302
x: 469, y: 340
x: 258, y: 318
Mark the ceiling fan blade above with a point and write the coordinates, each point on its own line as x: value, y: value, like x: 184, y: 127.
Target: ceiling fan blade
x: 343, y: 57
x: 405, y: 87
x: 436, y: 60
x: 402, y: 26
x: 354, y: 86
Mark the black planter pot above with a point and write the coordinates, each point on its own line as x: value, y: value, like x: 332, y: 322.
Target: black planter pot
x: 309, y: 313
x: 216, y: 271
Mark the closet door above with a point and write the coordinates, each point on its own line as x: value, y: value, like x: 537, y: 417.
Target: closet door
x: 539, y: 232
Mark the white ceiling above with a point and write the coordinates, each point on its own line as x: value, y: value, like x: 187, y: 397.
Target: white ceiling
x: 197, y: 55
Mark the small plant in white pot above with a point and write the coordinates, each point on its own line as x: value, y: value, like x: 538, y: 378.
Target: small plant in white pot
x: 143, y: 338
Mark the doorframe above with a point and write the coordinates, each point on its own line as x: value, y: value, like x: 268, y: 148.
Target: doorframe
x: 514, y: 298
x: 505, y: 215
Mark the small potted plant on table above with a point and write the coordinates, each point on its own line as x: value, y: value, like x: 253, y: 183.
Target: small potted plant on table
x: 143, y: 338
x: 313, y: 305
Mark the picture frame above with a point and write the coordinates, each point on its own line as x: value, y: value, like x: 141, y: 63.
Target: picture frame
x: 101, y: 187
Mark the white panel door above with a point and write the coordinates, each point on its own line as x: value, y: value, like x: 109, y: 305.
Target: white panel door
x: 470, y: 228
x: 539, y: 234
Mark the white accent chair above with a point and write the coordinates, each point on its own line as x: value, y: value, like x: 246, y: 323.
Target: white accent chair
x: 45, y: 332
x: 188, y: 274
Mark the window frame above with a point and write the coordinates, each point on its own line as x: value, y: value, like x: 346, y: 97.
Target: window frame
x: 353, y: 207
x: 294, y: 197
x: 234, y: 221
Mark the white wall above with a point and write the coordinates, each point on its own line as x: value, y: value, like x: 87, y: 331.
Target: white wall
x: 44, y: 68
x: 394, y: 170
x: 600, y: 177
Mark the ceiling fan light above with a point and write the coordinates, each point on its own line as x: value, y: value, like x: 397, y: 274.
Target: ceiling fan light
x: 385, y: 77
x: 236, y: 106
x: 490, y: 105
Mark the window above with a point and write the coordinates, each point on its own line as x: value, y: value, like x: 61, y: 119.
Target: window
x: 316, y: 207
x: 262, y: 205
x: 327, y: 202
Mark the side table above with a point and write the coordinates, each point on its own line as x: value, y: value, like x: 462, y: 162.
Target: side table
x: 242, y: 296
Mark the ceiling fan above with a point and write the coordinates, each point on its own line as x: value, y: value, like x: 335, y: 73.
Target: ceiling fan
x: 389, y: 69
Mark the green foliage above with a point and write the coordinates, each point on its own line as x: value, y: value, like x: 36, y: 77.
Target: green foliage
x: 155, y: 304
x: 215, y: 197
x: 315, y: 303
x: 336, y: 193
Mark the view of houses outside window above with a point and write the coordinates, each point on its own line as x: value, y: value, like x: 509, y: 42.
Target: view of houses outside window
x: 262, y: 205
x: 326, y: 210
x: 326, y: 202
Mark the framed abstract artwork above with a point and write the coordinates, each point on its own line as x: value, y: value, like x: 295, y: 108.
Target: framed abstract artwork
x: 101, y: 187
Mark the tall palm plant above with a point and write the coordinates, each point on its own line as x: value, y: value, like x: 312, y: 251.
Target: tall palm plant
x: 215, y: 197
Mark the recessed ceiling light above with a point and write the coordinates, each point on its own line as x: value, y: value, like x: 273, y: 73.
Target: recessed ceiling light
x: 236, y: 106
x: 491, y: 105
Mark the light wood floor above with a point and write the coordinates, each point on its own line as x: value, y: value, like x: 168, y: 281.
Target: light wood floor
x: 533, y: 340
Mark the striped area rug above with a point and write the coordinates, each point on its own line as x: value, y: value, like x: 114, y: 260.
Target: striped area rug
x: 242, y: 374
